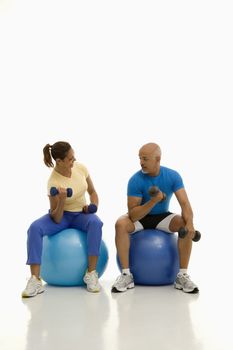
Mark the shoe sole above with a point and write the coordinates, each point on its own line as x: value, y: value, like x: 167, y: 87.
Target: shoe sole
x: 93, y: 290
x: 192, y: 291
x: 115, y: 290
x: 24, y: 295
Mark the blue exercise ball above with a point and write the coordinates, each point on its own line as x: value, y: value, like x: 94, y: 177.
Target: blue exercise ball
x: 153, y: 257
x: 65, y: 260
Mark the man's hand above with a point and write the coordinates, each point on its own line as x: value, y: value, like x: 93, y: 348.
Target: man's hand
x: 154, y: 191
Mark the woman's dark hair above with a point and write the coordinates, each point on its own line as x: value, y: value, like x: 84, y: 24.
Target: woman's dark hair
x: 57, y: 150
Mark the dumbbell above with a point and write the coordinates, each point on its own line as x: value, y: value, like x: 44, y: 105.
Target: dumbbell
x: 92, y: 208
x: 183, y: 232
x: 154, y: 190
x: 54, y: 191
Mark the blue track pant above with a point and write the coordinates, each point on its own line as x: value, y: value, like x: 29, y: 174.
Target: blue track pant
x: 45, y: 226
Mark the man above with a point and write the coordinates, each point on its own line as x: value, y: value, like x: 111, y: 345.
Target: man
x: 149, y: 209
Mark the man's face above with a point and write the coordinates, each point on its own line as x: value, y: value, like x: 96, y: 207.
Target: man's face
x: 149, y: 162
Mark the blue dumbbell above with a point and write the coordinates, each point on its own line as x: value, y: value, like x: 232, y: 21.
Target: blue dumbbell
x: 54, y: 191
x: 92, y: 208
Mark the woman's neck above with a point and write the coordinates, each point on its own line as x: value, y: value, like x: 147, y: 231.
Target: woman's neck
x: 63, y: 172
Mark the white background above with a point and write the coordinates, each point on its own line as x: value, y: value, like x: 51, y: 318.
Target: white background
x: 109, y: 76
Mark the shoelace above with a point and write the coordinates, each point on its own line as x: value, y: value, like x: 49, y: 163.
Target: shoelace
x: 93, y: 277
x: 31, y: 284
x: 186, y: 277
x: 121, y: 278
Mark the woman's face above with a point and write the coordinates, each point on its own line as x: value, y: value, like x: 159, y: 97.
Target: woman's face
x: 69, y: 160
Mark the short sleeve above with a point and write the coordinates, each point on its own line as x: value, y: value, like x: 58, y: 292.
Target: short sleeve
x: 134, y: 188
x: 177, y: 182
x: 82, y: 168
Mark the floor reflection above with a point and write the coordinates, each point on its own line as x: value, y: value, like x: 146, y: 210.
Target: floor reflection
x: 155, y: 317
x: 65, y: 318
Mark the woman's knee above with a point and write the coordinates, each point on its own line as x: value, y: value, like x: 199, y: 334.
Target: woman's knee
x: 94, y: 221
x: 34, y: 229
x: 39, y: 226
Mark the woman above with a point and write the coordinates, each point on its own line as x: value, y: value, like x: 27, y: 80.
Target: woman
x: 67, y: 185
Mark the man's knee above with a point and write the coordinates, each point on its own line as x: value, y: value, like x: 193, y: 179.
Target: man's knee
x: 124, y: 224
x: 176, y: 223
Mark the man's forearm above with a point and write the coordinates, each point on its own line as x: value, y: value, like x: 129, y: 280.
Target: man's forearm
x: 140, y: 211
x: 187, y: 215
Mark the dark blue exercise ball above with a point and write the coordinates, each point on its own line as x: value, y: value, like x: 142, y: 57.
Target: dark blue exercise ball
x: 65, y: 260
x: 153, y: 257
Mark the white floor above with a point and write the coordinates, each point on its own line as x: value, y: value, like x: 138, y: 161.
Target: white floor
x: 145, y: 317
x: 109, y: 76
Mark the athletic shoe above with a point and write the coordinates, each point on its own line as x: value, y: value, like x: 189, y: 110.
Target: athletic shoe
x: 183, y: 282
x: 91, y: 280
x: 34, y: 287
x: 122, y: 283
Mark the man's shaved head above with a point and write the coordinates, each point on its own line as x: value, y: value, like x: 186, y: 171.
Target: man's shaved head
x: 150, y: 149
x: 150, y: 156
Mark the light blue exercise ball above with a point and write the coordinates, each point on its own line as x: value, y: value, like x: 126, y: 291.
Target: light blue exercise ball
x: 65, y: 260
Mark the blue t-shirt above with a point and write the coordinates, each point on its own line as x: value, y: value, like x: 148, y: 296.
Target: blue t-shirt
x: 168, y: 181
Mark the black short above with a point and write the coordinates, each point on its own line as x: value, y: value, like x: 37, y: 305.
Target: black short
x: 151, y: 221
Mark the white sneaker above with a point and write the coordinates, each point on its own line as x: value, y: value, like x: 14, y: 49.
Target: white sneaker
x: 122, y: 283
x: 34, y: 287
x: 91, y: 280
x: 184, y: 283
